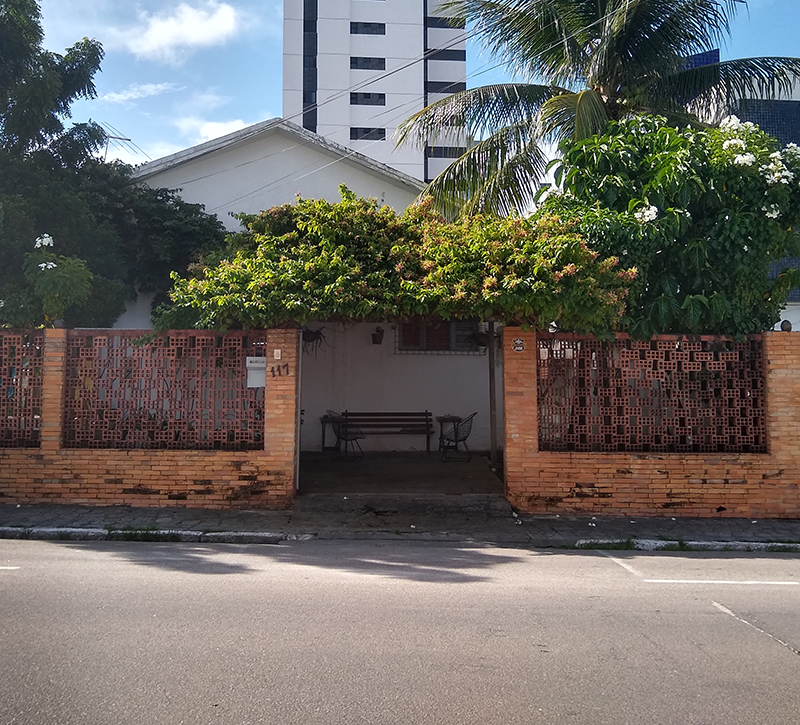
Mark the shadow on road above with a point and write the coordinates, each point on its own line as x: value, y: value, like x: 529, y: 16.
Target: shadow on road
x: 413, y: 561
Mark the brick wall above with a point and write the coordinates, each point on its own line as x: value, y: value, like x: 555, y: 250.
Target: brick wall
x: 662, y: 484
x: 204, y: 479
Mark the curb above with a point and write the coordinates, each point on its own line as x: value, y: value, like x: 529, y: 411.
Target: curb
x: 680, y: 545
x: 94, y: 534
x: 265, y: 537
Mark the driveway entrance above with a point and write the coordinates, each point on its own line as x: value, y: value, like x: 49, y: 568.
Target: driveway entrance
x: 396, y: 473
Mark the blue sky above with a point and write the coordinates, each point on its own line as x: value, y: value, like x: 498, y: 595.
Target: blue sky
x: 179, y: 72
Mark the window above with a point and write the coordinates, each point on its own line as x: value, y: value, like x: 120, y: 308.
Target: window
x: 367, y: 134
x: 445, y: 86
x: 445, y: 152
x: 446, y: 55
x: 435, y: 22
x: 367, y: 99
x: 360, y: 28
x: 452, y: 337
x: 362, y: 63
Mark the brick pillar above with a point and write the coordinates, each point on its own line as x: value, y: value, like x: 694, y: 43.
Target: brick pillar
x: 280, y: 405
x: 521, y: 421
x: 54, y: 370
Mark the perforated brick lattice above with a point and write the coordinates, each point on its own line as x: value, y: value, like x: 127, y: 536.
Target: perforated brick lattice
x: 184, y: 390
x: 20, y: 388
x: 700, y: 395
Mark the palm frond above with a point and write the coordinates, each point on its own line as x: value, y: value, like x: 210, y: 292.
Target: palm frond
x: 537, y: 38
x: 477, y: 112
x: 572, y: 115
x: 714, y: 89
x: 499, y: 174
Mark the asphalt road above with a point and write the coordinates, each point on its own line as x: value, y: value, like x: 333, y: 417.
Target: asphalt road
x: 339, y: 632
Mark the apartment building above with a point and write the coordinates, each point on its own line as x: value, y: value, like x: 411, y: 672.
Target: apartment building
x: 353, y: 70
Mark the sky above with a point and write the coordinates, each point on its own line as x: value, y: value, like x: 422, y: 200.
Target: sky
x: 180, y: 72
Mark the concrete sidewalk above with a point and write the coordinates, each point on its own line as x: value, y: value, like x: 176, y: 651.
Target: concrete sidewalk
x: 476, y: 518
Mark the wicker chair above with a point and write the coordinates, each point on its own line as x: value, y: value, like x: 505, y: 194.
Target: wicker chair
x: 458, y: 433
x: 347, y: 437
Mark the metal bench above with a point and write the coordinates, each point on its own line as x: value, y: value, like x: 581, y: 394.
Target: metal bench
x: 392, y: 423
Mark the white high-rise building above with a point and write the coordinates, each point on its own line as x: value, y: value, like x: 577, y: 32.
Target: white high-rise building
x: 353, y: 70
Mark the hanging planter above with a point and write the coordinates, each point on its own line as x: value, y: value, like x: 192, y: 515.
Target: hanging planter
x: 377, y: 336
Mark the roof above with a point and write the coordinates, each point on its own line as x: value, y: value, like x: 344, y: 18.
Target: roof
x: 273, y: 125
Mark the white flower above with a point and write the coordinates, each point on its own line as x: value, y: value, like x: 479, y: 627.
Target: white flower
x: 48, y: 265
x: 776, y: 173
x: 792, y: 150
x: 44, y: 241
x: 744, y: 160
x: 731, y: 123
x: 733, y: 143
x: 2, y: 303
x: 648, y: 214
x: 771, y: 212
x: 776, y: 155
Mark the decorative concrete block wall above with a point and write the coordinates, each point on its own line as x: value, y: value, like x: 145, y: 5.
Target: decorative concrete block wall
x: 654, y: 483
x: 210, y: 478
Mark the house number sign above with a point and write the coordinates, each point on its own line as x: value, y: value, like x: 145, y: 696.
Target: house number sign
x: 518, y: 344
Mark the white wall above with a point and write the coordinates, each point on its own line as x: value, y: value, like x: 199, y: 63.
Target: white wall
x: 349, y: 372
x: 272, y: 169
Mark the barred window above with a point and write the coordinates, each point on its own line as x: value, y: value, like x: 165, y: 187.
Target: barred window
x: 456, y: 336
x: 367, y: 99
x: 358, y: 62
x: 361, y: 28
x: 367, y: 134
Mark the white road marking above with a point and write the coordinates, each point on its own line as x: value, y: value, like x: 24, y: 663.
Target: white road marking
x: 8, y: 568
x: 622, y: 563
x: 637, y: 573
x: 718, y: 581
x: 727, y: 611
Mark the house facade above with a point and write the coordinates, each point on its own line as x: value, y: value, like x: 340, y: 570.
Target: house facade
x: 437, y: 369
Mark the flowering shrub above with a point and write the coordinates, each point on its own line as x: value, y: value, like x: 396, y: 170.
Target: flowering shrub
x: 354, y: 261
x: 56, y: 281
x: 700, y: 213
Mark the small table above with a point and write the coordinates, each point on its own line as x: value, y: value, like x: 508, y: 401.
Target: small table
x: 444, y: 420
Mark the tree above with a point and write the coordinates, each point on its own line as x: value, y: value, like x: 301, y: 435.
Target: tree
x: 107, y: 237
x: 354, y: 261
x: 594, y: 61
x: 700, y: 213
x: 37, y: 88
x: 130, y: 236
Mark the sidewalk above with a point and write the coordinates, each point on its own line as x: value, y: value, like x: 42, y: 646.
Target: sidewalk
x: 473, y: 518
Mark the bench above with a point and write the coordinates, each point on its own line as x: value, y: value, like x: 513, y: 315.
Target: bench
x: 413, y: 423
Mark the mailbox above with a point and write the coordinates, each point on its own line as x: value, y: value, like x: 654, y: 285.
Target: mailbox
x: 256, y: 372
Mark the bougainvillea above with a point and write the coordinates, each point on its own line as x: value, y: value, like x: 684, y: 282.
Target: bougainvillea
x: 702, y: 214
x: 355, y: 261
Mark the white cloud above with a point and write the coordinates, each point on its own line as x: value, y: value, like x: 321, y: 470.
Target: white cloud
x: 198, y: 130
x: 170, y: 36
x: 137, y: 91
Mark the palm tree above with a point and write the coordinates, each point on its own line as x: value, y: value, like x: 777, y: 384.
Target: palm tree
x: 597, y: 60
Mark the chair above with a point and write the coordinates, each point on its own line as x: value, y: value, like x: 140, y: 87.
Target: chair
x: 347, y: 437
x: 458, y: 433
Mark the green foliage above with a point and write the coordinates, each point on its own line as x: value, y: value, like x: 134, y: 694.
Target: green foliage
x: 130, y: 236
x: 58, y: 281
x: 112, y: 236
x: 700, y: 214
x: 37, y: 88
x: 354, y: 261
x: 581, y: 63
